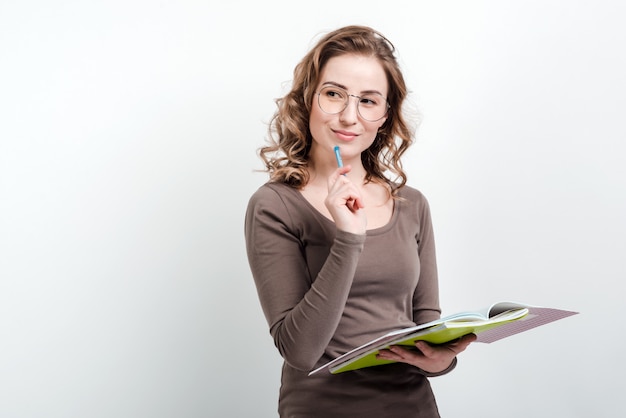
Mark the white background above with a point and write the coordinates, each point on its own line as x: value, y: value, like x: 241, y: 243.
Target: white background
x: 128, y: 137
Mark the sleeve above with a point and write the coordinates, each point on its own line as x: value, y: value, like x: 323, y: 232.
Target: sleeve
x: 451, y: 367
x: 426, y: 306
x: 302, y: 312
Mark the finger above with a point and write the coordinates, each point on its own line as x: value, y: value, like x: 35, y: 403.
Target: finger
x: 337, y: 174
x: 354, y: 204
x: 344, y: 170
x: 388, y: 355
x: 393, y: 353
x: 464, y: 342
x: 431, y: 351
x: 426, y: 349
x: 351, y: 205
x: 398, y: 351
x: 332, y: 179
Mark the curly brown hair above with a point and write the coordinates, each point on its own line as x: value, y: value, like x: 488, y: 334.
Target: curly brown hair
x: 287, y: 155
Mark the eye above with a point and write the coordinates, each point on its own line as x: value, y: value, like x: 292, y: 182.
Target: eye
x: 334, y: 94
x: 370, y: 101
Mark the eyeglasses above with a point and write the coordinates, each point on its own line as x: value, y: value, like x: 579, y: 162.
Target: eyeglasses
x: 370, y: 106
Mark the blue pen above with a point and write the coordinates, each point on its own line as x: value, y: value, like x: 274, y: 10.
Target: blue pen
x: 338, y: 157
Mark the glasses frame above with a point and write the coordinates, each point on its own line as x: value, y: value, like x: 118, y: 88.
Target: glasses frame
x: 348, y: 95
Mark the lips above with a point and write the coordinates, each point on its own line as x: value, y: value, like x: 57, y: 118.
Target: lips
x: 345, y: 135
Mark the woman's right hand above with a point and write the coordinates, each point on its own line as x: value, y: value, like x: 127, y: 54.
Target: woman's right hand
x: 344, y: 202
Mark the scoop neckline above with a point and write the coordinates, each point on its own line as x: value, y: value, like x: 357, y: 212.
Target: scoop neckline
x: 373, y: 231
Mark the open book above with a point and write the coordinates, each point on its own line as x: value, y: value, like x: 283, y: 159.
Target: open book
x: 498, y: 321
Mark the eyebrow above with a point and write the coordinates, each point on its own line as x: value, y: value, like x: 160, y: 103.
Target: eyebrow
x: 341, y: 86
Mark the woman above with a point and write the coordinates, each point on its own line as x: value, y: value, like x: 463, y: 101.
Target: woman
x: 341, y: 254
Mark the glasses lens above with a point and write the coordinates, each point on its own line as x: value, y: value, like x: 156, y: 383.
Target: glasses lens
x: 333, y: 100
x: 371, y: 107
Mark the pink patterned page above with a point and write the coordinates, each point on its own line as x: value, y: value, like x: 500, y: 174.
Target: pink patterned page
x: 536, y: 317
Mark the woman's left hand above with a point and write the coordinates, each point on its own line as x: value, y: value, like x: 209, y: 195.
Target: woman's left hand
x: 430, y: 358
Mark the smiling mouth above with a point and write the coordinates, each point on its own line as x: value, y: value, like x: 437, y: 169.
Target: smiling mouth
x: 345, y: 135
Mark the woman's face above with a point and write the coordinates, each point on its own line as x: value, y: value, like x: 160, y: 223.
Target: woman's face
x: 351, y: 75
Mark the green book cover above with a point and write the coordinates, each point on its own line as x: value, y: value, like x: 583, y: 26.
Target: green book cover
x: 438, y: 334
x: 498, y: 321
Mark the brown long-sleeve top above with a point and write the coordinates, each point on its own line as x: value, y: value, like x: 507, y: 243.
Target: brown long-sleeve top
x: 324, y: 291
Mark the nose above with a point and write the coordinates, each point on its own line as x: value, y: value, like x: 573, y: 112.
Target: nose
x: 350, y: 114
